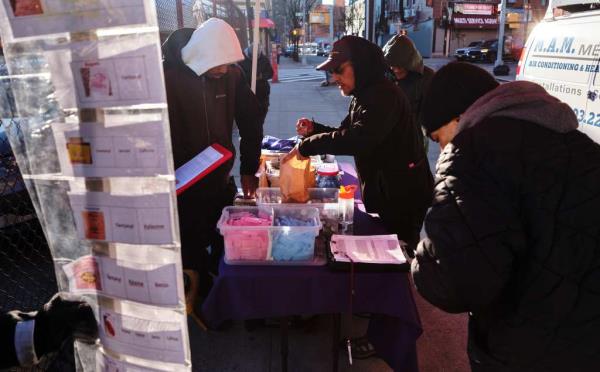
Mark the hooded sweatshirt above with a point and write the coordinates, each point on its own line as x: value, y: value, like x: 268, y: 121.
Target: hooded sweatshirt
x: 521, y: 100
x: 400, y: 51
x: 202, y: 109
x: 214, y: 43
x: 386, y: 144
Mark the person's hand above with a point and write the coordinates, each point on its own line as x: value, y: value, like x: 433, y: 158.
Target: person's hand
x: 249, y: 185
x: 62, y: 317
x: 305, y: 127
x: 295, y: 153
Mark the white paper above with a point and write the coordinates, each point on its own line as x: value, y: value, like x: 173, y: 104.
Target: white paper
x: 151, y: 284
x: 198, y: 164
x: 41, y: 17
x: 136, y: 219
x: 93, y: 150
x: 377, y: 249
x: 144, y: 338
x: 107, y: 73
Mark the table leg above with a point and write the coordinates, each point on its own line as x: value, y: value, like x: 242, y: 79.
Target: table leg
x: 335, y: 341
x: 284, y: 343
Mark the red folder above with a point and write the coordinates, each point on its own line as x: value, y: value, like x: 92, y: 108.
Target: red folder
x: 200, y: 165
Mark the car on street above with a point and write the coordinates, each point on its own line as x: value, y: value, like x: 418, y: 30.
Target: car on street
x: 462, y: 54
x: 324, y: 51
x: 486, y: 52
x: 288, y: 51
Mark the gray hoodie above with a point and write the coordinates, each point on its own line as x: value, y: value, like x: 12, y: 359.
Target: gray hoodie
x: 521, y: 100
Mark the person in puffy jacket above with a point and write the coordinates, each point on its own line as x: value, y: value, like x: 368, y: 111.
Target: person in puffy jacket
x: 513, y: 235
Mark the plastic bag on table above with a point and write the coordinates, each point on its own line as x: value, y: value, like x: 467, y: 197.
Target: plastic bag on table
x: 295, y: 178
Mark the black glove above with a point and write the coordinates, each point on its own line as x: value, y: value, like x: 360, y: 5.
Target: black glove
x: 60, y: 319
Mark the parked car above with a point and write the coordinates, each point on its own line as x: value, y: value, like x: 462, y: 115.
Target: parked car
x: 461, y: 54
x: 486, y: 52
x: 288, y: 51
x: 324, y: 51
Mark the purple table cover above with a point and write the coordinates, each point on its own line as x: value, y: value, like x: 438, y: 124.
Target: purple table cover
x: 250, y: 292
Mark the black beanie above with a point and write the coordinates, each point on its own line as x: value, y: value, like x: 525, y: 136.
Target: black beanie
x: 453, y: 89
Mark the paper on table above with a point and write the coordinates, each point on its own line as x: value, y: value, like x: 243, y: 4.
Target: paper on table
x: 377, y: 249
x: 200, y: 165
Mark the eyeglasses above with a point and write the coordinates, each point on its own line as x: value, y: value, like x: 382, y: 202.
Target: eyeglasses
x: 340, y: 69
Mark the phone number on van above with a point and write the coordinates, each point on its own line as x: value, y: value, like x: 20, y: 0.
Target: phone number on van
x: 590, y: 118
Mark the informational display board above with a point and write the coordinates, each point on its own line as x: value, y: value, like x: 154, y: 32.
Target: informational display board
x: 91, y: 137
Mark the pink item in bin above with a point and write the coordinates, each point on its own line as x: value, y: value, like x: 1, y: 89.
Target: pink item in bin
x: 248, y: 219
x: 247, y: 244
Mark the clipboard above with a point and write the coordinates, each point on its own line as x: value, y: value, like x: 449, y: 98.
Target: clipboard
x: 200, y: 166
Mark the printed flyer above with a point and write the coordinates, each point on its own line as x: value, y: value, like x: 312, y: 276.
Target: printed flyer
x: 107, y: 73
x: 105, y: 363
x: 43, y: 17
x: 93, y: 150
x: 143, y: 338
x: 144, y: 219
x: 146, y: 283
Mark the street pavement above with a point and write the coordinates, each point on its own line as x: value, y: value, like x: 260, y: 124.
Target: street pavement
x: 442, y: 347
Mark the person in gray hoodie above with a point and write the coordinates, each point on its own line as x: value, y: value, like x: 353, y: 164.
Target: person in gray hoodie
x: 409, y: 72
x: 513, y: 235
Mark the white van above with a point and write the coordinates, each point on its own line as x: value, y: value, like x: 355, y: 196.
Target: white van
x: 563, y: 55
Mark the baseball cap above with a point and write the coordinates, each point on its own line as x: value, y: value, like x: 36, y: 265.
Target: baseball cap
x: 340, y: 53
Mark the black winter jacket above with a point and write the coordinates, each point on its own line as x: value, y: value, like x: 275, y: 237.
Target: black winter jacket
x: 514, y: 239
x: 387, y: 147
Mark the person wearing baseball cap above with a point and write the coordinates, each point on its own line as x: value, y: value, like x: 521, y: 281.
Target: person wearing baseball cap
x: 379, y: 131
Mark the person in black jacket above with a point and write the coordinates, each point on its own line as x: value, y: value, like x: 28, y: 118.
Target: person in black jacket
x: 264, y: 72
x: 379, y: 131
x: 409, y: 73
x: 513, y: 235
x: 27, y: 337
x: 206, y: 93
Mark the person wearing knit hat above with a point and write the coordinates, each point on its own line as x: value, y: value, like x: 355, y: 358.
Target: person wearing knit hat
x: 410, y: 74
x: 512, y: 234
x: 453, y: 89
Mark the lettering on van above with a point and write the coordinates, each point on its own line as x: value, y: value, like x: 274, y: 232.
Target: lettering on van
x: 566, y: 45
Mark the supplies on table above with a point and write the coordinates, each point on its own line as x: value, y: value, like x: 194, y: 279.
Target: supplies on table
x: 295, y: 177
x: 325, y: 200
x: 328, y: 176
x: 272, y: 144
x: 346, y: 209
x: 367, y: 253
x: 270, y: 235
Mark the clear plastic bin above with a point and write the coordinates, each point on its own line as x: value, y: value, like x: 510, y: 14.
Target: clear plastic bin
x: 277, y: 244
x: 326, y: 200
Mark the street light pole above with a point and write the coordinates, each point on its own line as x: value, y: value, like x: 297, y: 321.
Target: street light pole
x: 501, y: 27
x: 304, y: 32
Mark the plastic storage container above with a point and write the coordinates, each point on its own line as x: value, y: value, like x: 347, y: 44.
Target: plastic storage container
x: 279, y: 243
x: 325, y: 199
